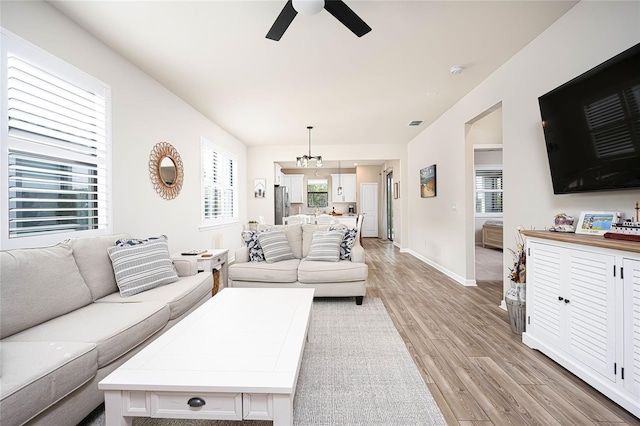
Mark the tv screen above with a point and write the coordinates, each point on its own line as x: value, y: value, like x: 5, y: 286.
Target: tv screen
x: 592, y: 127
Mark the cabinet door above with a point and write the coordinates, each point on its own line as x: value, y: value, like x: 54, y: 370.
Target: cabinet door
x: 349, y: 188
x: 296, y: 188
x: 285, y: 180
x: 277, y: 174
x: 545, y: 303
x: 631, y: 332
x: 571, y: 304
x: 590, y: 304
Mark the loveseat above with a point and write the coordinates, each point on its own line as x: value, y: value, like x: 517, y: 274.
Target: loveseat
x: 65, y: 326
x: 344, y: 276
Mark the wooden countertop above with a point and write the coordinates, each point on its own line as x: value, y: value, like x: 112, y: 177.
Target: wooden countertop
x: 588, y: 240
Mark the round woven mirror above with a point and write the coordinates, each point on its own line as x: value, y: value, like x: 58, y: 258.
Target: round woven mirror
x: 165, y: 170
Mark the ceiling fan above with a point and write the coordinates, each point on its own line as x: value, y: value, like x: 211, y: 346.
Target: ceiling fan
x: 337, y: 8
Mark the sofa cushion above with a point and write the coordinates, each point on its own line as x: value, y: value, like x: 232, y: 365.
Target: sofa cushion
x: 325, y: 246
x: 35, y: 375
x: 275, y: 246
x: 142, y: 267
x: 180, y: 296
x: 115, y: 328
x: 310, y: 272
x: 37, y: 285
x: 281, y: 272
x: 94, y: 262
x: 250, y: 238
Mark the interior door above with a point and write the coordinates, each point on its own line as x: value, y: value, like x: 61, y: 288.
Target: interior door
x: 369, y: 206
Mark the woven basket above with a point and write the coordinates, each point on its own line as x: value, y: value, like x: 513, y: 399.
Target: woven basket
x: 517, y: 314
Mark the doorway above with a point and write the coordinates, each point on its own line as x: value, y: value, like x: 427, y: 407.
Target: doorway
x: 484, y: 141
x: 389, y: 204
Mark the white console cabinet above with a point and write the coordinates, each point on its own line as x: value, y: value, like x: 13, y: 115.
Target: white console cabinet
x: 583, y: 309
x: 631, y: 279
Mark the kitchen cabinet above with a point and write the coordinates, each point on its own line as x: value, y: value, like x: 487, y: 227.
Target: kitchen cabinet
x: 277, y: 174
x: 295, y: 183
x: 348, y: 182
x: 581, y: 310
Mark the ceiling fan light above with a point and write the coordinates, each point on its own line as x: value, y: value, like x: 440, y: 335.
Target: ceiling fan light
x: 308, y: 7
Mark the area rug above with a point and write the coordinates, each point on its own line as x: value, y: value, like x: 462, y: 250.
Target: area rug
x: 355, y: 371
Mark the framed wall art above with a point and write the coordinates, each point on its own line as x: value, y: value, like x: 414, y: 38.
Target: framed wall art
x: 596, y: 223
x: 428, y: 181
x: 259, y: 188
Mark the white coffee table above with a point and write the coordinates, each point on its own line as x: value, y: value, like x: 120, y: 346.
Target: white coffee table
x: 235, y: 357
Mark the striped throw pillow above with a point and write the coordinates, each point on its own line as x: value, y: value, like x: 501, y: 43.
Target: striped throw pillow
x: 275, y: 246
x: 325, y: 246
x: 142, y: 267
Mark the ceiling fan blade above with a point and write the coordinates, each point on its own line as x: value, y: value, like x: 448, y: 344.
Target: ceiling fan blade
x: 348, y: 17
x: 282, y: 21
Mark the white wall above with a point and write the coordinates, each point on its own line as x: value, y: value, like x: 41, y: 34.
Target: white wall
x: 143, y: 113
x: 588, y: 34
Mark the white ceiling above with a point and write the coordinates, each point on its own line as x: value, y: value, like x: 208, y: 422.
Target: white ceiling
x: 214, y: 55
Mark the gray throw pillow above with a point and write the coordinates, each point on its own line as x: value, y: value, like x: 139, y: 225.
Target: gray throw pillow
x: 275, y: 246
x: 325, y: 246
x: 142, y: 267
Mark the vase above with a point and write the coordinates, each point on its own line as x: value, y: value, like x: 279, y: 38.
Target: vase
x: 515, y: 299
x: 517, y: 292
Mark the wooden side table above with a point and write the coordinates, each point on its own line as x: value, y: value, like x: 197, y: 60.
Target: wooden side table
x: 214, y: 259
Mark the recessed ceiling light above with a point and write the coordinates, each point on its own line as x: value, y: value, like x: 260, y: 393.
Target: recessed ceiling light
x: 415, y: 123
x: 456, y: 69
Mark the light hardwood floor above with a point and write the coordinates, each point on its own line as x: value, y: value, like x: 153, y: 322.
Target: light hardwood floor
x: 478, y: 371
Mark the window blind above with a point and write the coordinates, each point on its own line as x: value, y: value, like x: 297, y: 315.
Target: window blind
x: 219, y: 186
x: 488, y: 190
x: 57, y: 152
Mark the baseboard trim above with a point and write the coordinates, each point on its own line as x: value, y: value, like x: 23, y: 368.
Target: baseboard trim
x: 503, y: 305
x: 457, y: 278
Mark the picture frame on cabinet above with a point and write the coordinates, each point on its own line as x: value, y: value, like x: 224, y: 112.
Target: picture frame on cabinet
x: 596, y: 223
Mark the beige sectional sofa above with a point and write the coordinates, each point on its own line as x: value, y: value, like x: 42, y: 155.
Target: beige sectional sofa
x: 64, y: 326
x: 344, y: 278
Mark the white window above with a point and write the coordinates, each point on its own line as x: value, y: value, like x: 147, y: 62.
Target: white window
x: 55, y: 130
x: 219, y: 185
x: 488, y: 191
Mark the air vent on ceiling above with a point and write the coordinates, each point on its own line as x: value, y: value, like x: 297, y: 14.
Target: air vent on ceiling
x: 415, y: 123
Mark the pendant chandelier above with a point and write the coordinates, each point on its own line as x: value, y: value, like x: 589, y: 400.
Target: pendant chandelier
x: 339, y: 179
x: 305, y: 159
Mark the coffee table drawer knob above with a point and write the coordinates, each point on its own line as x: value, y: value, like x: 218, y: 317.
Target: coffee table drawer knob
x: 196, y: 402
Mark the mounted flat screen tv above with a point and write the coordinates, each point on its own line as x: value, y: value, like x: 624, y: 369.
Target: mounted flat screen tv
x: 592, y: 127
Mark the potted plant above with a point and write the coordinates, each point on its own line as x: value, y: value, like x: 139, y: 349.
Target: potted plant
x: 253, y: 225
x: 515, y: 298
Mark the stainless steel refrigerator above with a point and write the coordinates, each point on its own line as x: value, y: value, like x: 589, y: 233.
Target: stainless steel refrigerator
x: 281, y: 203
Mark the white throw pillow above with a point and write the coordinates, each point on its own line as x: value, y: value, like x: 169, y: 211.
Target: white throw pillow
x: 275, y: 246
x: 142, y: 267
x: 325, y: 246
